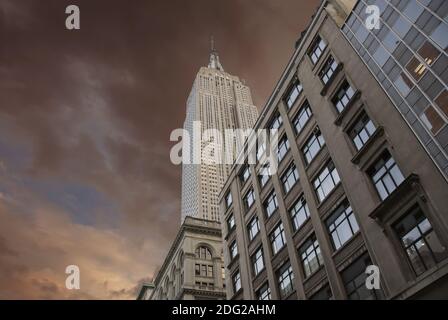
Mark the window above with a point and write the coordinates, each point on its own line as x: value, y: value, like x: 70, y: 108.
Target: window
x: 316, y: 49
x: 362, y: 131
x: 343, y: 96
x: 229, y: 200
x: 249, y: 199
x: 311, y: 256
x: 313, y: 145
x: 293, y: 93
x: 263, y: 178
x: 258, y: 261
x: 326, y: 181
x: 386, y: 175
x: 299, y: 213
x: 289, y: 178
x: 210, y: 271
x: 418, y: 239
x: 203, y: 253
x: 253, y: 228
x: 236, y: 281
x: 271, y: 204
x: 328, y: 69
x: 276, y: 122
x: 432, y: 120
x: 264, y: 293
x: 233, y: 250
x: 354, y: 279
x: 203, y: 270
x: 277, y: 238
x: 245, y: 174
x: 282, y: 149
x: 301, y: 119
x: 285, y: 280
x: 197, y: 269
x: 342, y: 225
x: 323, y: 294
x: 231, y: 222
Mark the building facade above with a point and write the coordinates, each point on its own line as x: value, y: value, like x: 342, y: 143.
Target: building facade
x: 361, y: 176
x: 193, y: 268
x: 217, y: 101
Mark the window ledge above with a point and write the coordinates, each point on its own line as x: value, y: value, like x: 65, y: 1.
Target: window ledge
x: 349, y: 105
x: 410, y: 186
x: 330, y: 81
x: 378, y: 133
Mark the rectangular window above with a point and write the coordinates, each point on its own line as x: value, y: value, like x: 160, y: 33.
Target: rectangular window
x: 236, y: 281
x: 285, y: 280
x: 271, y: 204
x: 229, y: 200
x: 343, y: 96
x: 301, y: 119
x: 276, y: 122
x: 362, y: 131
x: 342, y: 225
x: 311, y: 256
x: 299, y: 213
x: 210, y: 271
x: 231, y: 222
x: 316, y: 49
x: 245, y: 174
x: 283, y: 148
x: 249, y: 199
x: 290, y: 178
x: 323, y: 294
x: 418, y: 239
x: 386, y: 175
x: 277, y: 238
x: 326, y: 181
x: 264, y: 175
x: 328, y: 69
x: 264, y: 293
x: 253, y: 228
x: 258, y: 261
x: 293, y: 93
x: 354, y: 279
x: 233, y: 250
x: 197, y: 269
x: 313, y: 145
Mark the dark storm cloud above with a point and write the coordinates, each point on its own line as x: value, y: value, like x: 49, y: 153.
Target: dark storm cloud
x: 94, y: 109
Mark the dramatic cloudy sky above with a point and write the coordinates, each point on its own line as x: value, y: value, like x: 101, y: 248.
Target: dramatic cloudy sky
x: 85, y: 118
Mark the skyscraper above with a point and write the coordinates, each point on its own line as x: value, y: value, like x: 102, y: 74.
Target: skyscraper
x: 218, y: 101
x: 193, y: 267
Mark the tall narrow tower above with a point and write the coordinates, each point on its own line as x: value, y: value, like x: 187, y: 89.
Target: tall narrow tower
x: 219, y: 101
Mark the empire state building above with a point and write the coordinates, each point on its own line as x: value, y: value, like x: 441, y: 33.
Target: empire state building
x: 218, y: 100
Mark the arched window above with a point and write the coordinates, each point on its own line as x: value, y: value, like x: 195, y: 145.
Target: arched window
x: 203, y: 253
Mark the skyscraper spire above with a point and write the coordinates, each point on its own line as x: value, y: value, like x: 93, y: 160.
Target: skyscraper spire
x: 214, y: 57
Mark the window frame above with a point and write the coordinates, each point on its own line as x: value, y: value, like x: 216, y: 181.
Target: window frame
x: 291, y: 171
x: 309, y: 145
x: 304, y: 109
x: 304, y: 254
x: 294, y: 212
x: 333, y: 223
x: 274, y: 235
x: 338, y: 97
x: 316, y: 47
x: 373, y: 171
x: 330, y: 174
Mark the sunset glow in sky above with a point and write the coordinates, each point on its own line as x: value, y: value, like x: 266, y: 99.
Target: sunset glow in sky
x: 85, y: 119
